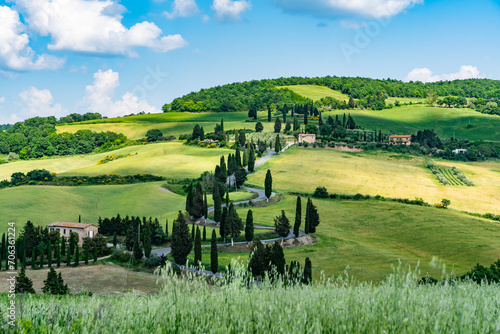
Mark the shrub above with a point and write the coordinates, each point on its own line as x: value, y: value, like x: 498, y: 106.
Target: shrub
x: 320, y: 192
x: 153, y: 261
x: 121, y: 256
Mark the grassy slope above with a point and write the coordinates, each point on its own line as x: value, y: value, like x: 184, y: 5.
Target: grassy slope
x: 446, y: 122
x: 384, y: 174
x: 163, y: 159
x: 315, y: 93
x: 370, y: 236
x: 174, y: 123
x: 45, y: 204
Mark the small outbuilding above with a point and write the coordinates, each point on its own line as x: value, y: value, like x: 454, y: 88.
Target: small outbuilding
x: 400, y: 139
x: 459, y: 151
x: 307, y: 138
x: 83, y: 230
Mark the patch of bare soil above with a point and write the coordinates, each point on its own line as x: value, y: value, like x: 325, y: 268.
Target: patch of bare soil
x: 304, y: 240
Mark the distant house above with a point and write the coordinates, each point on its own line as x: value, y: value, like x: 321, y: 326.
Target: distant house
x: 459, y: 151
x: 83, y: 230
x: 307, y: 138
x: 400, y: 139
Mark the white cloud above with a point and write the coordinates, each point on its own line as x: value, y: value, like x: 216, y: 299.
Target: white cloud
x: 182, y: 8
x: 2, y: 99
x: 350, y: 24
x: 426, y: 75
x: 99, y: 97
x: 230, y: 11
x: 15, y: 53
x: 340, y: 8
x: 36, y: 102
x: 94, y: 26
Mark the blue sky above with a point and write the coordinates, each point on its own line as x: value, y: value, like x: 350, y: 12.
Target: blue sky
x: 119, y: 57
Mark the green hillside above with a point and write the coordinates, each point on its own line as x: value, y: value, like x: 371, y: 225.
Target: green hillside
x: 316, y: 92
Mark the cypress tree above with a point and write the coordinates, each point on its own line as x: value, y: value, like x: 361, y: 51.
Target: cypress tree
x: 33, y: 258
x: 115, y: 240
x: 72, y: 243
x: 245, y: 157
x: 222, y: 226
x: 95, y: 254
x: 68, y: 258
x: 269, y: 114
x: 58, y: 256
x: 277, y: 145
x: 23, y: 283
x: 237, y: 157
x: 278, y: 258
x: 282, y: 225
x: 268, y: 185
x: 223, y: 169
x: 181, y: 240
x: 234, y: 225
x: 307, y: 227
x: 148, y: 235
x: 204, y: 233
x: 49, y: 254
x: 298, y: 217
x: 222, y: 125
x: 205, y: 206
x: 77, y: 256
x: 197, y: 208
x: 189, y: 196
x: 237, y: 138
x: 166, y: 227
x: 202, y: 134
x: 86, y: 256
x: 344, y: 121
x: 137, y: 251
x: 63, y: 246
x: 197, y: 248
x: 249, y: 228
x: 251, y: 159
x: 217, y: 203
x: 41, y: 247
x: 313, y: 218
x: 277, y: 125
x: 214, y: 253
x: 305, y: 119
x: 192, y: 231
x: 308, y: 271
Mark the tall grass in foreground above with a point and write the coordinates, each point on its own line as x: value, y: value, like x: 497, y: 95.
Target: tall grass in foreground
x: 190, y: 305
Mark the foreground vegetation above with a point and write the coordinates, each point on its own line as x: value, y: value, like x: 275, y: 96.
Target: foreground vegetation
x: 191, y: 306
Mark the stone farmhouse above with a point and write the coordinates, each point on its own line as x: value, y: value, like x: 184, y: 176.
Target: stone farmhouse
x: 84, y: 230
x: 307, y: 138
x: 400, y: 139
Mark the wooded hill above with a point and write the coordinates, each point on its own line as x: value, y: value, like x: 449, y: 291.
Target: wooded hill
x: 262, y: 93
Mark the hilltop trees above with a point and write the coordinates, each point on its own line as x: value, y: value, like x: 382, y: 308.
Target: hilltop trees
x: 268, y: 185
x: 181, y: 240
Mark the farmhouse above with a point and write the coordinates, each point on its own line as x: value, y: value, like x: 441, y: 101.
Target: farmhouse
x: 400, y: 139
x: 83, y: 230
x: 459, y: 151
x: 307, y: 138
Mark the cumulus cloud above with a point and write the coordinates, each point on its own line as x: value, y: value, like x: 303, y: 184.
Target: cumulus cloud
x: 340, y: 8
x: 15, y: 52
x: 230, y: 11
x: 2, y: 99
x: 182, y: 8
x: 426, y: 75
x: 94, y: 26
x: 35, y: 102
x: 99, y: 97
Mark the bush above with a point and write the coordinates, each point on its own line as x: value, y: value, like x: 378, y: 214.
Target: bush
x: 153, y: 261
x: 121, y: 256
x: 320, y: 192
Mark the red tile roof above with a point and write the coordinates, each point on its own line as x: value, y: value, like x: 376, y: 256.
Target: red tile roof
x: 70, y: 225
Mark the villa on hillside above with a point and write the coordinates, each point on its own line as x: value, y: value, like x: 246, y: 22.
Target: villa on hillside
x: 400, y: 139
x: 307, y: 138
x: 84, y: 230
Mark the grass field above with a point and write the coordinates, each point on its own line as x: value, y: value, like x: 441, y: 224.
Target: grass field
x: 445, y: 121
x: 386, y: 174
x: 371, y: 236
x: 47, y: 204
x: 315, y: 93
x: 173, y: 123
x: 173, y: 160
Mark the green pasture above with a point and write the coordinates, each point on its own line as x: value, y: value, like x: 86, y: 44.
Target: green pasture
x: 371, y: 236
x: 315, y: 93
x: 381, y: 173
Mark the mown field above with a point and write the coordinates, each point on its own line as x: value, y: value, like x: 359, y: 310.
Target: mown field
x: 379, y: 173
x: 397, y: 306
x: 315, y: 93
x: 172, y: 123
x: 173, y: 160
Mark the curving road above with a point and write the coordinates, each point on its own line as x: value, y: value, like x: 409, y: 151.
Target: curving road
x: 262, y: 197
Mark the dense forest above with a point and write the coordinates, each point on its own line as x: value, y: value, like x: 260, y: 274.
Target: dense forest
x: 36, y: 137
x: 262, y: 93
